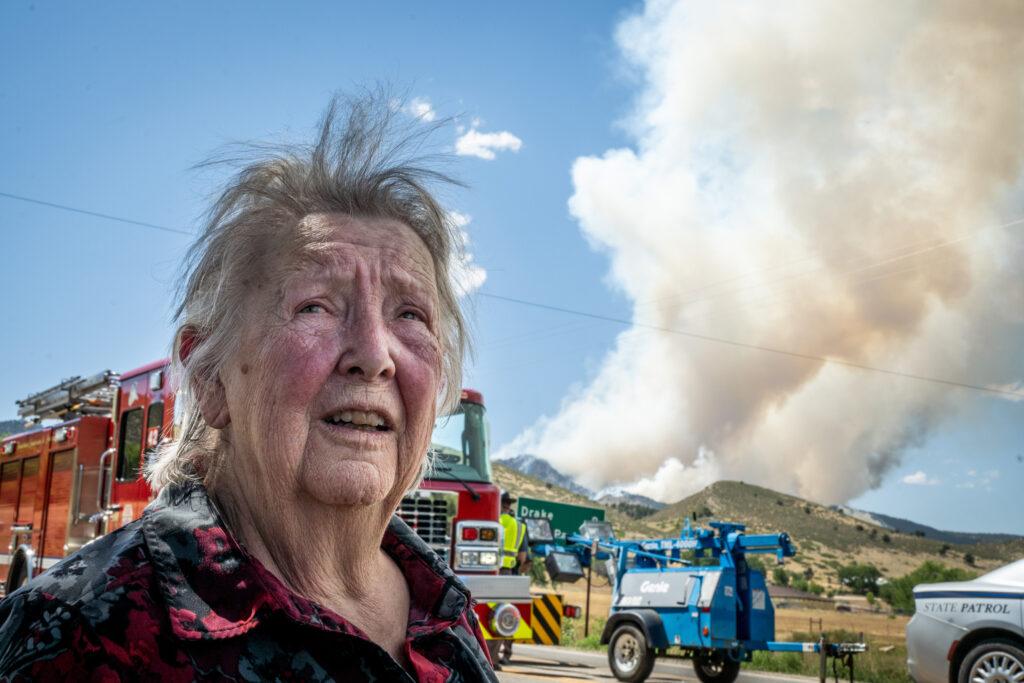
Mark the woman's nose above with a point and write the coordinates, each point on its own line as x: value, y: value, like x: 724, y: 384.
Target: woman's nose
x: 366, y: 349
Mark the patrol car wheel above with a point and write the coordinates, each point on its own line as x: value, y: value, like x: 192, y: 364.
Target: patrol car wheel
x: 713, y: 666
x: 994, y: 661
x: 629, y: 655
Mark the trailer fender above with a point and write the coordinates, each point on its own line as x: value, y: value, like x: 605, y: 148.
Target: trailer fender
x: 647, y: 620
x: 21, y: 569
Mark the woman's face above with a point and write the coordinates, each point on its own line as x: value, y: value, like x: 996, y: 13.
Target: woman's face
x: 333, y: 390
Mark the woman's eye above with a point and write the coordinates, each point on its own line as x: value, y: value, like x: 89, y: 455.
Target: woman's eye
x: 410, y: 315
x: 312, y: 308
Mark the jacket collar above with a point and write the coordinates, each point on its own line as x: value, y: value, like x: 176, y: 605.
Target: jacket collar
x: 213, y: 589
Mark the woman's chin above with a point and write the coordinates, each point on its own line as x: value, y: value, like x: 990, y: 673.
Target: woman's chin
x: 346, y: 483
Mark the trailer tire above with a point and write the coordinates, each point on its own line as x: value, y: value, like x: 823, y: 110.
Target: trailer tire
x: 630, y: 656
x: 713, y: 666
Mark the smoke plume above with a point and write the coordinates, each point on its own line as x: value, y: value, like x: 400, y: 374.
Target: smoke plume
x: 837, y: 180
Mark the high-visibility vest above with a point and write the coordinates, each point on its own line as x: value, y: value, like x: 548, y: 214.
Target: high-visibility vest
x: 515, y: 532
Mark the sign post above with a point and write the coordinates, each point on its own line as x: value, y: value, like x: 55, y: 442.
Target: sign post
x: 590, y: 573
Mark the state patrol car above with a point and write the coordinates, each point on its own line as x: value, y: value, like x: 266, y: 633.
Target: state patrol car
x: 969, y: 631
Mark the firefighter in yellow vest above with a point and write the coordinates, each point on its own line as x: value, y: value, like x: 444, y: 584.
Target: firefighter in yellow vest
x: 514, y: 559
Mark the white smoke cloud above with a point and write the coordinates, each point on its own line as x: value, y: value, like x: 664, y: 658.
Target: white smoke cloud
x: 831, y: 179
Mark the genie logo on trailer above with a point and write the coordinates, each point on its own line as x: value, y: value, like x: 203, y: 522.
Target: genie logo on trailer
x: 654, y: 587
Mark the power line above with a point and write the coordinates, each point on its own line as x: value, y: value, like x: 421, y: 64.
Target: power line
x: 96, y: 214
x: 595, y: 316
x: 756, y: 347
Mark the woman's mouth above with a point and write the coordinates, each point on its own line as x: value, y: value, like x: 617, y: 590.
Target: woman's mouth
x: 368, y: 421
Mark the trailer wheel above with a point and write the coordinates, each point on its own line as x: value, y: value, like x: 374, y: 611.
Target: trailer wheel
x: 993, y: 661
x: 712, y: 666
x: 630, y: 656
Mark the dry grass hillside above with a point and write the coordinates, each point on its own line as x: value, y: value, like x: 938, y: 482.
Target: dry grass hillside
x: 826, y: 539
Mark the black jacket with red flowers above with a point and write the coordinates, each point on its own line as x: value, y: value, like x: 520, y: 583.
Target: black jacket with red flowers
x: 172, y: 597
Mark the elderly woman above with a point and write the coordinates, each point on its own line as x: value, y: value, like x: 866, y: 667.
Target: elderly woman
x: 318, y: 334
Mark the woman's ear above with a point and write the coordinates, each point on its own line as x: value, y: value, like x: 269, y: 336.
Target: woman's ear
x: 213, y: 403
x: 210, y: 393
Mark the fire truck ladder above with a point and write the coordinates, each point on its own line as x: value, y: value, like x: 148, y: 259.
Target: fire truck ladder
x: 72, y: 397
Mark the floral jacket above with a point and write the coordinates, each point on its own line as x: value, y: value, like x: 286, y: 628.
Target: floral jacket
x: 172, y: 597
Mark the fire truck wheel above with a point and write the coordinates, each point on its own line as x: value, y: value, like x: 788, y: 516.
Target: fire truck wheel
x: 712, y: 666
x: 629, y: 655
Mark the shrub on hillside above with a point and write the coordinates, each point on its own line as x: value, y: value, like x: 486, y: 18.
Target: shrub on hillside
x: 899, y: 593
x: 860, y: 578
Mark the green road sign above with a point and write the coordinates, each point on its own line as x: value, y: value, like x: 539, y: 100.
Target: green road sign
x: 565, y: 519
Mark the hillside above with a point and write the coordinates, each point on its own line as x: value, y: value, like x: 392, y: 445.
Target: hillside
x: 11, y: 427
x: 826, y: 539
x: 521, y: 484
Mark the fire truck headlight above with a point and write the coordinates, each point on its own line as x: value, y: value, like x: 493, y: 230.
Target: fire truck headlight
x: 505, y: 620
x: 478, y: 545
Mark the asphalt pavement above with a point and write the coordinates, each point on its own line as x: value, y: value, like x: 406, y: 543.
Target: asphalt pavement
x: 553, y: 664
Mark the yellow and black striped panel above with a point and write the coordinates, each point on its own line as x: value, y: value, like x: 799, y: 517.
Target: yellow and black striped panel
x: 547, y: 619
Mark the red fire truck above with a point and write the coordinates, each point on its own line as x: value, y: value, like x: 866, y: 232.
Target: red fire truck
x: 76, y: 475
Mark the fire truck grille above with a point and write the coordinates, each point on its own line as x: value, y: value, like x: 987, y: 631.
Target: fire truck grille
x: 430, y: 515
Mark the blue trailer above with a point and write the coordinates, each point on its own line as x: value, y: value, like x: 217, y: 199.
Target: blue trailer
x: 693, y: 596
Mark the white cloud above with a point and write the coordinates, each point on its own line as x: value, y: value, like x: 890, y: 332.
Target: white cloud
x: 473, y: 143
x: 1016, y: 390
x: 421, y: 109
x: 983, y: 480
x: 919, y: 478
x: 466, y: 275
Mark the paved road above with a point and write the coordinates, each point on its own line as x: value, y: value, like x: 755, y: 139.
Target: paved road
x: 554, y: 664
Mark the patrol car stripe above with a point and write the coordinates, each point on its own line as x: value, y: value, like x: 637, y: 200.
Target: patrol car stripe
x: 969, y: 594
x: 547, y: 613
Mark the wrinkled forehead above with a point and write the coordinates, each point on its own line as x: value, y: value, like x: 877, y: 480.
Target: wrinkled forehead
x: 331, y: 241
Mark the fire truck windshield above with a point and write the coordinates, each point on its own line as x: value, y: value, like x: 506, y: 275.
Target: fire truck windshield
x: 459, y: 445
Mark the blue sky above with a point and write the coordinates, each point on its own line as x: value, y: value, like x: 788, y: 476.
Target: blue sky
x: 108, y: 107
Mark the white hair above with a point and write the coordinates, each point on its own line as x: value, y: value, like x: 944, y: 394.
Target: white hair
x: 360, y: 165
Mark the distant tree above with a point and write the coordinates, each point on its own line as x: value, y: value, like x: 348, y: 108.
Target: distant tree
x: 778, y: 501
x: 808, y: 573
x: 860, y: 578
x: 756, y: 563
x: 886, y: 538
x: 780, y: 577
x: 870, y: 597
x: 945, y: 549
x: 900, y: 592
x: 969, y: 559
x: 919, y: 533
x: 874, y: 533
x: 807, y: 509
x: 860, y: 527
x: 693, y: 514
